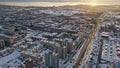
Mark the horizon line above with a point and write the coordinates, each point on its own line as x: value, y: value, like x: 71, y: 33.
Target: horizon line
x: 50, y: 4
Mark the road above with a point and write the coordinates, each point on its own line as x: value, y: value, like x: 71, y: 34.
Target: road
x: 87, y: 42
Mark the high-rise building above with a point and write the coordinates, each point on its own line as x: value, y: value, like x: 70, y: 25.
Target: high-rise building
x: 55, y: 59
x: 51, y: 60
x: 59, y: 51
x: 47, y: 58
x: 64, y: 52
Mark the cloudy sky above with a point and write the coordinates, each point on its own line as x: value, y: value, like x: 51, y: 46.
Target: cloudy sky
x: 59, y: 0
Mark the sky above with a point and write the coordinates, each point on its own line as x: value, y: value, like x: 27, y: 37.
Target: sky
x: 59, y: 0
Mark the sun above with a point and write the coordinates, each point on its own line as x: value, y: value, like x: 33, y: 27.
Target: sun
x: 93, y: 4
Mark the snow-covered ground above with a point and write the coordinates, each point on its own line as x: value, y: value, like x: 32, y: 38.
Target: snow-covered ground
x: 6, y: 59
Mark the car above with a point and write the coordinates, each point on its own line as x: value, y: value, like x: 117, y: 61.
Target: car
x: 111, y: 54
x: 110, y: 44
x: 106, y: 48
x: 105, y: 54
x: 106, y: 44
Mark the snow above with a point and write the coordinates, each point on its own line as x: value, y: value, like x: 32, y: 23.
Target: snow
x: 70, y: 65
x: 103, y: 66
x: 8, y: 58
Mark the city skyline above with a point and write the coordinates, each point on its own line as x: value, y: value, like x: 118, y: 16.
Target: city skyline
x: 60, y: 34
x: 58, y: 2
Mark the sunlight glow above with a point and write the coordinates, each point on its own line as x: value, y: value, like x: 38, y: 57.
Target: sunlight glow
x: 93, y: 4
